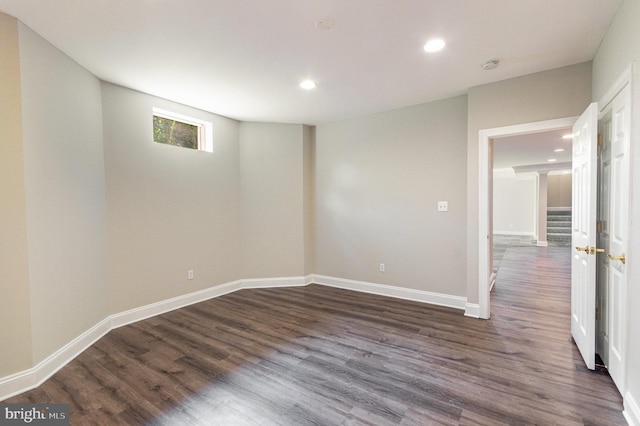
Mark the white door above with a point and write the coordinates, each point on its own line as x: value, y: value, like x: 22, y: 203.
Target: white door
x: 583, y: 264
x: 618, y: 235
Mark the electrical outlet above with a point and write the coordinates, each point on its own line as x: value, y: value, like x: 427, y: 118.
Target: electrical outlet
x: 190, y: 274
x: 382, y: 267
x: 443, y: 206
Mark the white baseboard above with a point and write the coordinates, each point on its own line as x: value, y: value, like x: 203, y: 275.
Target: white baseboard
x: 631, y: 410
x: 516, y: 233
x: 29, y: 379
x: 440, y: 299
x: 558, y: 209
x: 472, y: 310
x: 542, y: 243
x: 148, y: 311
x: 153, y: 309
x: 274, y: 282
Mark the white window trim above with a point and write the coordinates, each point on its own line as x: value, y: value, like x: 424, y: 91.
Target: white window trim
x: 205, y: 128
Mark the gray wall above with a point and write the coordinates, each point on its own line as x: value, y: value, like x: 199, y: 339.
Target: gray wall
x: 65, y: 194
x: 621, y: 47
x: 309, y: 134
x: 272, y: 200
x: 558, y: 93
x: 15, y: 318
x: 378, y: 181
x: 170, y: 209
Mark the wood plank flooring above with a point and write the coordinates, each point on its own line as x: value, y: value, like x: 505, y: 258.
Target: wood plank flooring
x: 323, y: 356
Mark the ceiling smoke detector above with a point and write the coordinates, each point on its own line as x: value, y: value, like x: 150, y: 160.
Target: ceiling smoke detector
x: 491, y: 65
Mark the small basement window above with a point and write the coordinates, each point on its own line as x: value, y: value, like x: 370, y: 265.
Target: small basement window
x: 180, y: 130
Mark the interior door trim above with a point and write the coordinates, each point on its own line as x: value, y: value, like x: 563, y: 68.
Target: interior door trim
x: 484, y: 214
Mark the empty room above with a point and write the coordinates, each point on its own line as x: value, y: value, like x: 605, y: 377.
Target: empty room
x: 281, y: 212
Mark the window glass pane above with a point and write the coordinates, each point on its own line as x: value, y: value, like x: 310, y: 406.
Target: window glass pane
x: 174, y: 132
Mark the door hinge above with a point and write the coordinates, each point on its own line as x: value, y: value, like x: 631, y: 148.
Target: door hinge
x: 600, y: 141
x: 599, y: 227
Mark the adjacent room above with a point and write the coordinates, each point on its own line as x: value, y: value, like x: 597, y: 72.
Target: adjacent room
x: 284, y: 212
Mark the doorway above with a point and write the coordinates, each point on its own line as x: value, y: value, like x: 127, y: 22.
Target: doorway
x: 618, y: 101
x: 485, y: 200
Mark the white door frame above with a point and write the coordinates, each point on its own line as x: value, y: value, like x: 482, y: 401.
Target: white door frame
x: 484, y: 215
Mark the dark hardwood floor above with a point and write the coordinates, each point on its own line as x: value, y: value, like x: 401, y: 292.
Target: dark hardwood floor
x: 323, y: 356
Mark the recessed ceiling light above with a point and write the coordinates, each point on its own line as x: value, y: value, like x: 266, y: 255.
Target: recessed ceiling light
x: 569, y: 136
x: 308, y: 84
x: 434, y: 45
x: 558, y: 150
x: 551, y: 160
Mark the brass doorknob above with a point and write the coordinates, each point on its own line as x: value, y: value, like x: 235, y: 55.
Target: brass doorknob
x: 621, y: 258
x: 584, y: 249
x: 594, y: 250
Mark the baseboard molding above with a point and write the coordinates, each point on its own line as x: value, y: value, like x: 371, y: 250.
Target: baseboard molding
x: 472, y: 310
x: 440, y: 299
x: 542, y: 243
x: 631, y: 410
x: 148, y: 311
x: 153, y: 309
x: 515, y: 233
x: 274, y: 282
x: 559, y: 209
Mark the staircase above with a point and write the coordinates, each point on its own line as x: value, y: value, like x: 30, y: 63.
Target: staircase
x: 559, y: 227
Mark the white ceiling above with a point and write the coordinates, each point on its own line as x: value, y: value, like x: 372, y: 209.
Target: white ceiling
x: 244, y: 58
x: 531, y: 149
